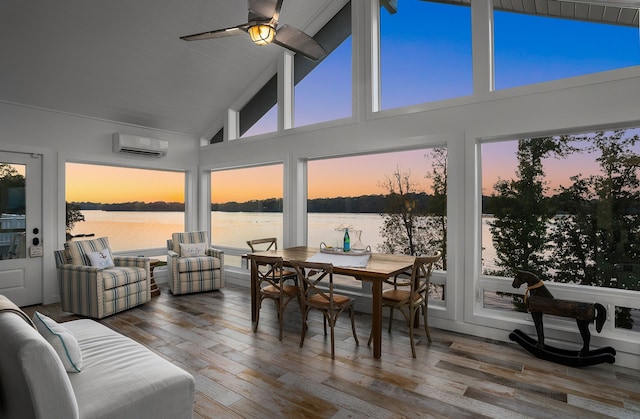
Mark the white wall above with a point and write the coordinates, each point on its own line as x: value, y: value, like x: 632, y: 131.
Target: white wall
x: 61, y: 138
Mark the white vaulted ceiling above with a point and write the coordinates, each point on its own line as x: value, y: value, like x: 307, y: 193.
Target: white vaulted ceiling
x: 123, y: 61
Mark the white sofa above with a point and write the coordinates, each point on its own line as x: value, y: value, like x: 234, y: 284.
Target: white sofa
x: 119, y: 377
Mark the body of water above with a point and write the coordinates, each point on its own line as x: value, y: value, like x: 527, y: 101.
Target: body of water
x: 130, y: 230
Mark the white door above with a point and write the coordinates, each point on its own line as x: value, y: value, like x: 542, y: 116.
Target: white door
x: 21, y: 227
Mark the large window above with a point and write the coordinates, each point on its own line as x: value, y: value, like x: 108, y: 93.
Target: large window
x: 246, y: 204
x: 563, y: 39
x: 425, y: 52
x: 134, y: 208
x: 260, y: 114
x: 566, y: 208
x: 325, y: 93
x: 323, y: 89
x: 391, y: 202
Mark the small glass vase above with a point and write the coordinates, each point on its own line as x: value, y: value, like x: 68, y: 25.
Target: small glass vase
x: 357, y: 240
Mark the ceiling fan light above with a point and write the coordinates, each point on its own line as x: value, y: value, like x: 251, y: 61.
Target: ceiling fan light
x: 262, y: 34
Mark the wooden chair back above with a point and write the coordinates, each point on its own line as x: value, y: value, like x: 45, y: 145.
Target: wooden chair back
x: 259, y: 245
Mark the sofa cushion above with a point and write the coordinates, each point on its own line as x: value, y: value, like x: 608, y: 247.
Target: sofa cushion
x: 78, y: 250
x: 101, y: 259
x: 64, y: 343
x: 123, y: 379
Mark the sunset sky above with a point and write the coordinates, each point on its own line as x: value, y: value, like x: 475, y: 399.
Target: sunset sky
x: 121, y: 184
x: 527, y: 51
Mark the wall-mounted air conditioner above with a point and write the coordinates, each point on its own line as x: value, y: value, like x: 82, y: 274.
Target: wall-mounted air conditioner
x: 141, y: 146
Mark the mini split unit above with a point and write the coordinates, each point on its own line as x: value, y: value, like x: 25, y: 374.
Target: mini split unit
x: 140, y: 146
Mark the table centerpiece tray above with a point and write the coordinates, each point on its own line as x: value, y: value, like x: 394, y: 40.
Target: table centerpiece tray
x: 340, y: 251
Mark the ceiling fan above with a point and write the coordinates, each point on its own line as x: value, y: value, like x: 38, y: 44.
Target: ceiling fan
x: 262, y: 27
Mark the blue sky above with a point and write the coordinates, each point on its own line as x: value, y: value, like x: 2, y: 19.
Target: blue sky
x: 426, y: 56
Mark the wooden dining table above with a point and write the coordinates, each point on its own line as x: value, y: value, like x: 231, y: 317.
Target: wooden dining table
x: 380, y: 267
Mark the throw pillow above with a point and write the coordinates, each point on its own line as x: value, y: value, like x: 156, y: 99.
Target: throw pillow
x: 192, y: 249
x: 64, y: 343
x: 101, y: 259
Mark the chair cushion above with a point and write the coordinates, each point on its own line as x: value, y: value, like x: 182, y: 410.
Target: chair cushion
x: 289, y: 290
x: 64, y: 343
x: 197, y: 264
x: 79, y: 250
x: 119, y: 276
x: 398, y: 296
x: 188, y: 237
x: 337, y: 299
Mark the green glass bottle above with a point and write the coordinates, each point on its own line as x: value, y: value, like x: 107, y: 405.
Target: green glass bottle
x: 346, y: 245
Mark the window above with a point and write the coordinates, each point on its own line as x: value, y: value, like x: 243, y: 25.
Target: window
x: 425, y: 53
x: 566, y: 207
x: 260, y: 114
x: 138, y: 214
x: 563, y: 39
x: 246, y: 204
x: 13, y: 220
x: 382, y: 190
x: 323, y: 89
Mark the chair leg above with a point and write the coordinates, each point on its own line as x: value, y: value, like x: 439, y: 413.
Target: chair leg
x: 333, y: 348
x: 353, y: 324
x: 304, y: 326
x: 411, y: 321
x: 255, y: 326
x: 426, y: 323
x: 390, y: 318
x: 280, y: 316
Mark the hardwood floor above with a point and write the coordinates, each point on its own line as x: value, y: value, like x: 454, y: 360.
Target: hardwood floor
x: 241, y: 374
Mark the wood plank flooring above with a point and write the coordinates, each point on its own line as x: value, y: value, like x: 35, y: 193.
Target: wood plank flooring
x: 241, y: 374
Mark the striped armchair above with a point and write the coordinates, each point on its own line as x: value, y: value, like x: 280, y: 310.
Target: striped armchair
x: 94, y: 291
x: 192, y: 264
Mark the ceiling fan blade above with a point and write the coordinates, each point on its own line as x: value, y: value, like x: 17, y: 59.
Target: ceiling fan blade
x: 219, y: 33
x: 299, y: 42
x: 264, y: 9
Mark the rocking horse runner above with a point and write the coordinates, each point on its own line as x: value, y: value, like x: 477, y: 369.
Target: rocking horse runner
x: 539, y: 301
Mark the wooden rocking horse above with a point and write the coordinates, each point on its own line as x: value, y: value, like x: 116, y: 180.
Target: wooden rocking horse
x: 539, y: 301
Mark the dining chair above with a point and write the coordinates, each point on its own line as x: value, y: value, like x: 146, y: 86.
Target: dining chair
x: 410, y: 295
x: 271, y: 243
x: 269, y: 284
x: 316, y: 289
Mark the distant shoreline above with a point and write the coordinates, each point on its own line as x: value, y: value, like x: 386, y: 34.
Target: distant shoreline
x: 374, y: 204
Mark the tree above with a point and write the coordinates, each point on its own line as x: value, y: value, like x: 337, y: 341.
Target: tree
x: 12, y: 186
x: 399, y: 227
x: 74, y: 215
x: 415, y: 223
x: 601, y: 228
x: 437, y: 207
x: 519, y: 229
